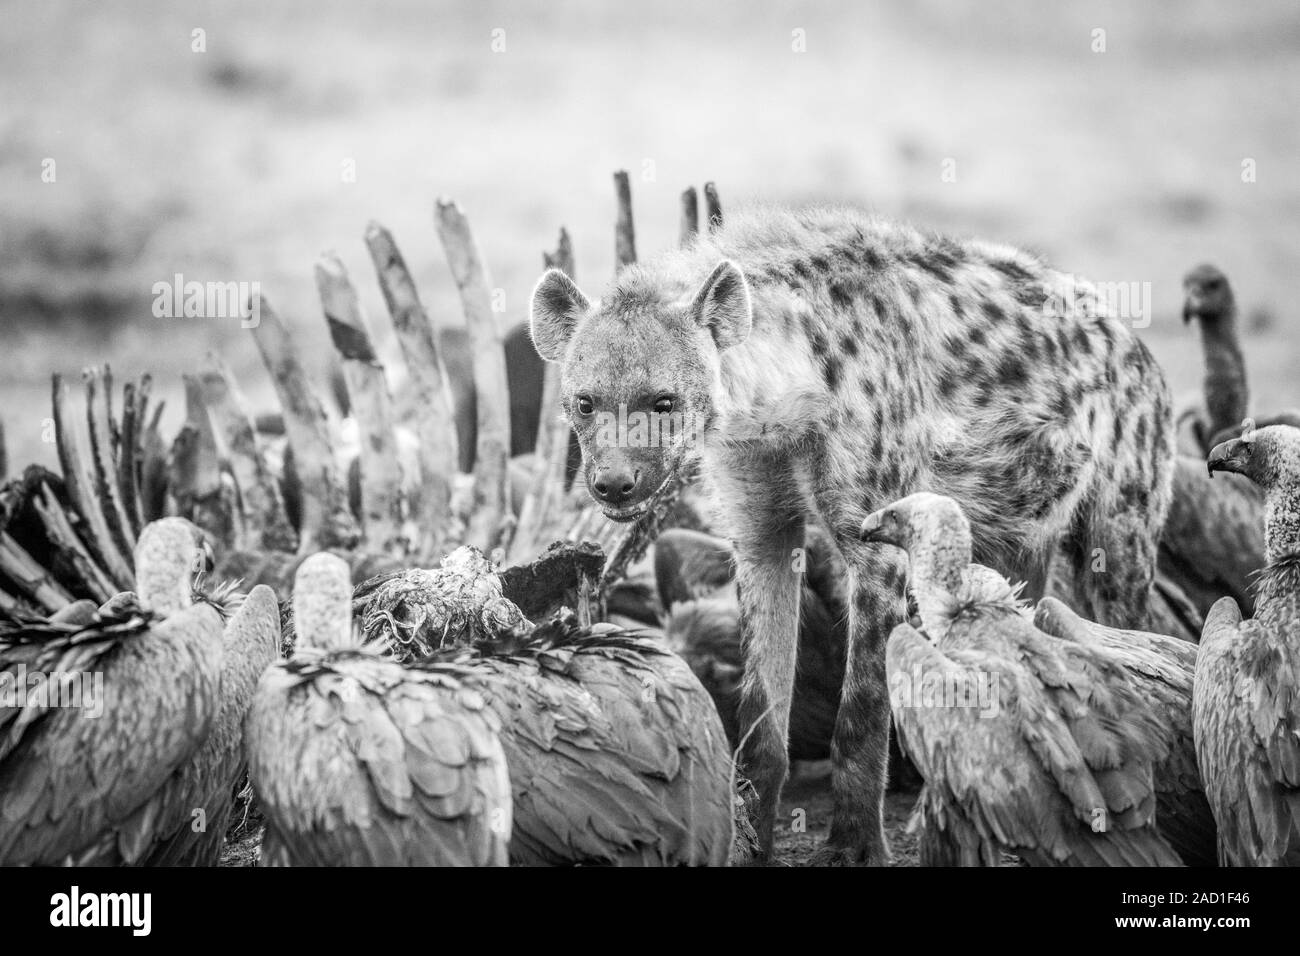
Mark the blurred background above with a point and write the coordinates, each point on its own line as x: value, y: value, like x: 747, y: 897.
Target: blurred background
x: 226, y: 164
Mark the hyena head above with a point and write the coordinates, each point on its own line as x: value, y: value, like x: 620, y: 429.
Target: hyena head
x: 640, y: 374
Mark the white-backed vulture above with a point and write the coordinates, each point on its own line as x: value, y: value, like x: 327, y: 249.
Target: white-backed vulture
x: 1208, y: 298
x: 359, y: 761
x: 1028, y: 744
x: 616, y: 753
x: 1246, y: 700
x: 100, y: 789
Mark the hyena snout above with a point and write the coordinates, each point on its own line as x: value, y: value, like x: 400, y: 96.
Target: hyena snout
x: 615, y: 485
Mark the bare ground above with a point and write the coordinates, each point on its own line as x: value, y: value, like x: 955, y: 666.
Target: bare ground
x: 795, y: 846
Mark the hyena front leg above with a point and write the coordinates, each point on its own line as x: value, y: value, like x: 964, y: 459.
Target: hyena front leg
x: 766, y: 518
x: 860, y: 746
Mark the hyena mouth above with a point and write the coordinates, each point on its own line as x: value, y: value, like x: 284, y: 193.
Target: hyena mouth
x: 624, y: 515
x: 638, y: 510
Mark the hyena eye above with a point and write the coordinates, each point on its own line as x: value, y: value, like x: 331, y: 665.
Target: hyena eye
x: 663, y: 405
x: 585, y: 405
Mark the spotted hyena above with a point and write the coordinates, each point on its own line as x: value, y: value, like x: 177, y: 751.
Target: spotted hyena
x: 832, y: 363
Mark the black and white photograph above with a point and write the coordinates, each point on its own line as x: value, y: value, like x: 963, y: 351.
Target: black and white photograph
x: 759, y: 434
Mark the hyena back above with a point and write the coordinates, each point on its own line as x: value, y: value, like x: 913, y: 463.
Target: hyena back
x: 832, y: 363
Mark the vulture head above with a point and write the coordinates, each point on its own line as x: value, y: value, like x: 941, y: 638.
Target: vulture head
x: 935, y: 534
x: 1270, y: 456
x: 1207, y: 295
x: 917, y: 521
x: 169, y: 553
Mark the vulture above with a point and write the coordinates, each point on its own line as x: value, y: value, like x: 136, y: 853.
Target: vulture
x: 359, y: 761
x: 1246, y: 698
x: 1028, y: 743
x: 1208, y: 299
x: 616, y: 752
x: 1163, y: 669
x: 123, y: 788
x: 1213, y: 539
x: 208, y: 781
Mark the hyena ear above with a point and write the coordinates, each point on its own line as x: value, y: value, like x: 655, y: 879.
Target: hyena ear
x: 722, y: 305
x: 557, y: 305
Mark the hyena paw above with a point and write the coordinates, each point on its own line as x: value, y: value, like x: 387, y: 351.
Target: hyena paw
x: 830, y: 855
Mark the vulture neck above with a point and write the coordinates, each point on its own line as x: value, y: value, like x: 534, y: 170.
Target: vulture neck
x: 1282, y: 523
x: 1278, y: 590
x: 164, y: 591
x: 1226, y: 392
x: 937, y: 576
x: 323, y: 622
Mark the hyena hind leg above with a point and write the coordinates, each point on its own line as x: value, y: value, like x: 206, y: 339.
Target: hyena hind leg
x: 1115, y: 557
x: 860, y: 745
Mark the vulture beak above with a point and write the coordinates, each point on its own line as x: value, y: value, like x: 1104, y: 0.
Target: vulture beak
x: 1230, y: 455
x: 873, y: 529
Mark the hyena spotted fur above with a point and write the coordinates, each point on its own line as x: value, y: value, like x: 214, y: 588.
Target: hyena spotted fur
x: 839, y: 362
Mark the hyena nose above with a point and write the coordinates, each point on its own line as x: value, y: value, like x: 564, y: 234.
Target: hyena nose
x: 615, y: 485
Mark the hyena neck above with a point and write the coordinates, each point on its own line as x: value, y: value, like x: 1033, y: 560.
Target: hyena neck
x: 768, y: 389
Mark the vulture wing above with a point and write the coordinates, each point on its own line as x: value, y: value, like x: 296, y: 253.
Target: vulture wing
x: 1072, y: 784
x: 358, y: 762
x: 669, y: 730
x: 74, y: 789
x: 1162, y: 669
x: 206, y: 782
x: 690, y: 565
x: 616, y: 753
x: 1214, y: 536
x: 1246, y: 714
